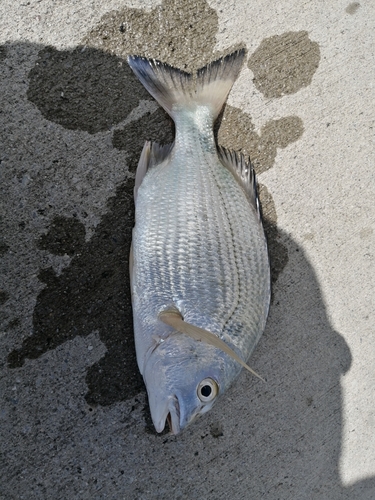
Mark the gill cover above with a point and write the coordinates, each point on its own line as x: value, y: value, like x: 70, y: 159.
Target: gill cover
x: 174, y: 319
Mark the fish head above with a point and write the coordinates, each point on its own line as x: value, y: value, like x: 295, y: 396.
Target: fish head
x: 184, y: 378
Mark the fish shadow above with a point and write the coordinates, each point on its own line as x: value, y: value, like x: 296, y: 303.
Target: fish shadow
x: 288, y: 432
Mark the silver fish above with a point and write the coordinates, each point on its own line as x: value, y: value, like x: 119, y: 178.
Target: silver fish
x: 199, y: 267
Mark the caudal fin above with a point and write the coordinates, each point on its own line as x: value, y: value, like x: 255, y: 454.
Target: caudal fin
x: 175, y: 89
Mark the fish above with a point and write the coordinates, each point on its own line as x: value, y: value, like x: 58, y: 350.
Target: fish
x: 199, y: 265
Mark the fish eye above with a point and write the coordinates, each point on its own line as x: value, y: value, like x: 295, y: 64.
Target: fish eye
x: 207, y: 390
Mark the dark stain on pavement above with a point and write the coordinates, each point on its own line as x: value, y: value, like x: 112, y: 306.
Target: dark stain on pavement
x: 3, y: 53
x: 91, y: 294
x: 171, y: 32
x: 4, y: 296
x: 236, y: 131
x: 156, y: 127
x: 216, y: 429
x: 84, y: 89
x: 65, y: 236
x: 284, y: 64
x: 352, y: 8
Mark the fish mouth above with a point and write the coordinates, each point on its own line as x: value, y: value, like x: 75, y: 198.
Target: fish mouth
x: 173, y: 417
x: 170, y: 423
x: 170, y: 417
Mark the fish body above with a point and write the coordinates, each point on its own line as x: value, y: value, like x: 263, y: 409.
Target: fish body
x: 199, y: 256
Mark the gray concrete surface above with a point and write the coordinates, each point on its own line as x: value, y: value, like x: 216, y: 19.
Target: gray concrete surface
x: 74, y: 419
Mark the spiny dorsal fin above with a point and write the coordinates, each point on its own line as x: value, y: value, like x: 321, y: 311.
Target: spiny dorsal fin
x: 243, y: 171
x: 174, y: 319
x: 171, y: 86
x: 152, y: 154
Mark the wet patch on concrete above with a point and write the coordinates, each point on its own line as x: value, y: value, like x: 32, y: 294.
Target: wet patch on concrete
x: 3, y: 53
x: 284, y: 64
x: 3, y: 248
x: 4, y: 296
x: 92, y: 294
x: 352, y: 8
x: 182, y: 34
x: 84, y: 89
x: 65, y: 236
x: 236, y: 131
x: 156, y: 127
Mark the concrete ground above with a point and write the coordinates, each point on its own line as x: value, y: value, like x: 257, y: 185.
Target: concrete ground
x: 74, y: 420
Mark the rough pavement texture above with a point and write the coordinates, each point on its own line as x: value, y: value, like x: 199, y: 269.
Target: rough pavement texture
x: 74, y: 420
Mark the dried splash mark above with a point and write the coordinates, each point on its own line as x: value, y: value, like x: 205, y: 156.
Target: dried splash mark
x: 92, y: 89
x: 284, y: 64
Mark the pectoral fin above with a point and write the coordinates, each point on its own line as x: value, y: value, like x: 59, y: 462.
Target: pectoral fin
x: 174, y: 319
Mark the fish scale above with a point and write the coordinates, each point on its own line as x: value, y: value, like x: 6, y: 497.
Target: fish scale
x: 199, y: 251
x: 214, y: 243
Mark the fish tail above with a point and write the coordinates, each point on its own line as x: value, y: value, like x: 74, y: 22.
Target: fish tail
x: 175, y: 89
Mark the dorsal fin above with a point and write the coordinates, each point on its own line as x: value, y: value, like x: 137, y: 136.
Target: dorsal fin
x: 174, y: 319
x: 152, y: 154
x: 243, y: 171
